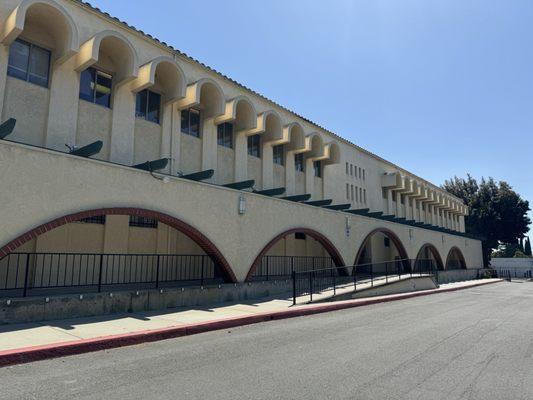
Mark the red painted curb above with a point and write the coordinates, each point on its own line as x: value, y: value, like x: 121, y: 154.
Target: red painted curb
x: 36, y: 353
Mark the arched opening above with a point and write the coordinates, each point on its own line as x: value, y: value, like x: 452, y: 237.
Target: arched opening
x: 111, y: 248
x: 39, y: 34
x: 383, y: 250
x: 455, y: 259
x: 298, y: 249
x: 245, y: 115
x: 428, y: 258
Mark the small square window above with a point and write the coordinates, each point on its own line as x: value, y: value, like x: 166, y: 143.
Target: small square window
x: 95, y: 87
x: 190, y: 122
x: 148, y: 106
x: 29, y: 62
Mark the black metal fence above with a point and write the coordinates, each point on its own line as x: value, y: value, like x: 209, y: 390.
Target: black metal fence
x: 514, y: 272
x: 281, y: 267
x: 314, y: 281
x: 26, y: 274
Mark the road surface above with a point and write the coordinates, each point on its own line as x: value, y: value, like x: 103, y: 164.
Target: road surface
x: 470, y: 344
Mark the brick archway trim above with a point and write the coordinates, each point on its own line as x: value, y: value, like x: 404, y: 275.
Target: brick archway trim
x: 199, y: 238
x: 395, y: 239
x: 461, y: 257
x: 323, y: 240
x: 435, y: 253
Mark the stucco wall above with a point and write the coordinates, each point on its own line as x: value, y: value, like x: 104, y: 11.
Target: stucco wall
x: 212, y: 210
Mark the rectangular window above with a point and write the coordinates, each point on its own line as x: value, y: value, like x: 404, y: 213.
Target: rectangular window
x: 363, y: 174
x: 347, y: 168
x: 348, y: 191
x: 190, y: 122
x: 148, y: 105
x: 402, y: 199
x: 278, y: 154
x: 97, y: 219
x: 95, y: 87
x: 384, y: 193
x: 351, y: 169
x: 143, y: 222
x: 356, y: 195
x: 299, y: 162
x: 29, y: 62
x: 299, y: 235
x: 364, y: 196
x: 254, y: 145
x: 225, y: 135
x: 360, y: 194
x: 317, y: 166
x: 359, y: 172
x: 393, y: 196
x: 386, y: 242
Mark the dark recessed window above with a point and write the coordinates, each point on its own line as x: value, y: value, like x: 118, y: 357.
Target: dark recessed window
x: 254, y: 145
x: 97, y: 219
x: 142, y: 222
x: 386, y: 242
x: 278, y: 154
x: 299, y: 235
x: 299, y: 164
x: 317, y: 166
x: 225, y: 135
x: 95, y: 86
x: 148, y: 106
x: 29, y: 62
x: 190, y: 122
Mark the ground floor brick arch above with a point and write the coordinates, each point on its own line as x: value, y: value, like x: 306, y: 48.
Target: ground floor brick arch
x: 323, y: 240
x: 433, y: 250
x: 395, y: 240
x: 203, y: 242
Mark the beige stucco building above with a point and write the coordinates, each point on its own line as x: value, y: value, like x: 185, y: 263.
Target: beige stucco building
x: 72, y: 75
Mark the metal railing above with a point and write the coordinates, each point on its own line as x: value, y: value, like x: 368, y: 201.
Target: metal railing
x: 316, y: 281
x: 24, y: 274
x: 281, y: 267
x: 514, y: 272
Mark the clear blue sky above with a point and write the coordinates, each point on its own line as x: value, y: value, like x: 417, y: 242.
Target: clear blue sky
x: 440, y: 87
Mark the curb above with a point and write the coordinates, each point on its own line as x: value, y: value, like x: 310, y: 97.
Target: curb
x: 37, y: 353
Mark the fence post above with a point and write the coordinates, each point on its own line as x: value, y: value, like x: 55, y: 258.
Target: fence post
x: 202, y: 274
x: 334, y: 283
x: 268, y: 265
x: 293, y: 287
x: 157, y: 273
x: 311, y: 286
x: 26, y: 277
x: 371, y: 275
x: 100, y: 273
x: 354, y: 273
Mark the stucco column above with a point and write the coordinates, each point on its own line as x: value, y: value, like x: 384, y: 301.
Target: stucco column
x: 171, y: 137
x: 309, y: 177
x: 123, y: 126
x: 209, y: 144
x: 267, y: 166
x: 290, y: 173
x: 63, y: 108
x: 241, y: 156
x: 4, y: 56
x: 389, y: 202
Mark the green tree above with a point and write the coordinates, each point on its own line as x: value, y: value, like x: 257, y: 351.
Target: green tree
x: 527, y: 247
x: 497, y: 213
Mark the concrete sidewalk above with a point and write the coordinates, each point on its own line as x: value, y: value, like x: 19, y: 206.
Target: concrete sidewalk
x: 22, y: 342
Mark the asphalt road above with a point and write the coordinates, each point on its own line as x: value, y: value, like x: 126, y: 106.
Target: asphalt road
x: 471, y: 344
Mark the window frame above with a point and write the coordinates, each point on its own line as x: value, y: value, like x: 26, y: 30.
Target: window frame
x: 223, y: 141
x: 251, y: 146
x: 137, y: 221
x: 146, y: 111
x: 104, y: 74
x: 278, y: 154
x: 317, y: 168
x: 299, y: 162
x: 30, y: 46
x: 187, y: 131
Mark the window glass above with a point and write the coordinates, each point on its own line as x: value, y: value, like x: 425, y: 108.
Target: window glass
x: 299, y: 162
x: 102, y: 93
x: 278, y: 154
x: 39, y: 65
x: 154, y: 107
x: 225, y: 135
x: 19, y: 56
x: 317, y: 165
x: 185, y: 121
x: 194, y: 123
x: 87, y: 84
x: 299, y: 235
x: 141, y: 104
x: 254, y: 143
